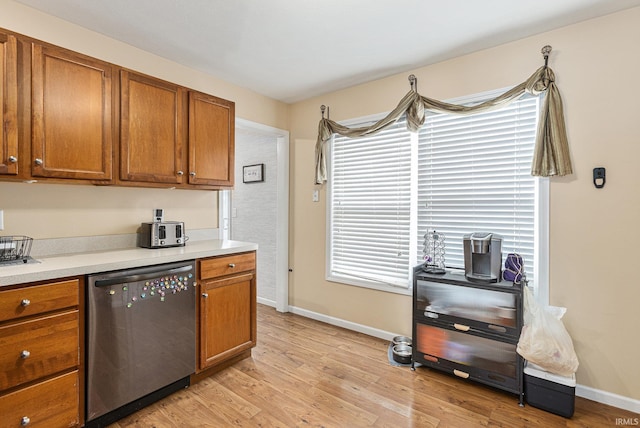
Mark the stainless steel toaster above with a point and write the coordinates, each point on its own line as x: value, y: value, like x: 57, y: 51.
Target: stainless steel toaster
x: 161, y: 234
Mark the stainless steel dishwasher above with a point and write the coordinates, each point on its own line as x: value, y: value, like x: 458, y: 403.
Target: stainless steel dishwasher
x: 140, y: 338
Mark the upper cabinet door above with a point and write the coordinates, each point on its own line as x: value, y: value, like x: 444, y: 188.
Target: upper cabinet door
x: 8, y: 105
x: 211, y: 140
x: 152, y: 124
x: 72, y: 124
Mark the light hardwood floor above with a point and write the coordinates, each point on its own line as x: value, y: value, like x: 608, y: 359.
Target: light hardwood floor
x: 307, y: 373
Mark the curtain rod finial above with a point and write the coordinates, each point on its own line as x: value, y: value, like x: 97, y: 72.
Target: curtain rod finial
x: 322, y: 109
x: 413, y: 81
x: 546, y: 50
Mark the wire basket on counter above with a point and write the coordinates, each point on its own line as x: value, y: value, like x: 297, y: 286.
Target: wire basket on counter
x: 15, y: 248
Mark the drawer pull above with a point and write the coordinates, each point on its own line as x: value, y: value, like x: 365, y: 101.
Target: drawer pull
x: 430, y: 358
x: 25, y: 354
x: 25, y: 302
x: 461, y: 327
x: 205, y: 295
x: 232, y: 265
x: 25, y: 421
x: 461, y: 374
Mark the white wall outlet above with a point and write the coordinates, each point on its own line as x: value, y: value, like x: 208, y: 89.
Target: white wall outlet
x: 316, y: 196
x: 1, y: 219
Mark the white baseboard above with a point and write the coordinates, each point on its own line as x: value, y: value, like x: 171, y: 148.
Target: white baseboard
x: 604, y: 397
x: 360, y: 328
x: 267, y: 302
x: 618, y: 401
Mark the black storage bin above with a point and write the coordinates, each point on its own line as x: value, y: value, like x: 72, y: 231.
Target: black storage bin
x: 546, y: 391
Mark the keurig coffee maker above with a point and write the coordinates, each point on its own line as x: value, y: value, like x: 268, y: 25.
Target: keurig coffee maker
x: 483, y: 257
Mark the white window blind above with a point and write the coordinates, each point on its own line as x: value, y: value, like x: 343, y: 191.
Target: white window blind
x: 475, y: 176
x: 370, y: 207
x: 457, y: 175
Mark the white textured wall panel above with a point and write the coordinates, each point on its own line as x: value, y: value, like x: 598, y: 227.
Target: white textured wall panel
x: 254, y: 205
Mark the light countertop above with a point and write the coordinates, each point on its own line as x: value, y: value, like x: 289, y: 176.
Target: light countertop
x: 103, y: 261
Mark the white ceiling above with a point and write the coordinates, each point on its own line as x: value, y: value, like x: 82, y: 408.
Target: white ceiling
x: 295, y: 49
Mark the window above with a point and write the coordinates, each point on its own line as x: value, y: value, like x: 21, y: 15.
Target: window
x: 370, y: 205
x: 457, y: 175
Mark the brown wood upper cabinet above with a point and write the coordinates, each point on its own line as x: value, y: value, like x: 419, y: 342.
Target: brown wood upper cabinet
x: 211, y: 140
x: 72, y: 121
x: 8, y: 105
x: 152, y: 130
x: 66, y: 117
x: 164, y: 142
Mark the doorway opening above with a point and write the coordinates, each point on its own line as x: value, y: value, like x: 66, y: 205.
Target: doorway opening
x: 258, y: 210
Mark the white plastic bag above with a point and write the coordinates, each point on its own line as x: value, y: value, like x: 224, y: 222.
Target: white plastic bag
x: 544, y: 341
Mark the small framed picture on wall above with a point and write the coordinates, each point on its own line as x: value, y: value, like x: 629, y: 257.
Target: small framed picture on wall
x: 253, y: 173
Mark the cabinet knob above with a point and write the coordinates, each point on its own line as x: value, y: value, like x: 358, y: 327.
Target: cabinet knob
x: 25, y: 302
x: 180, y: 172
x: 25, y: 354
x: 205, y: 295
x: 25, y: 421
x: 13, y: 159
x: 192, y: 173
x: 232, y: 265
x: 38, y: 161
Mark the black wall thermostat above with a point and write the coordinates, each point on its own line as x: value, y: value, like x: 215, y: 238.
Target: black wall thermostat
x: 599, y: 177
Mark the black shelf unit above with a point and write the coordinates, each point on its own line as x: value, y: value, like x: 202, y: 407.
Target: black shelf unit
x: 468, y: 328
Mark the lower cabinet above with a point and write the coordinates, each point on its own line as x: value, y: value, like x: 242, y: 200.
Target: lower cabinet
x: 42, y: 339
x: 50, y: 403
x: 41, y: 354
x: 227, y: 308
x: 36, y: 348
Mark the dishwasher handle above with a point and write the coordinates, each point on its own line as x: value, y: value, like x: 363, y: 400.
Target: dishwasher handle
x: 124, y: 279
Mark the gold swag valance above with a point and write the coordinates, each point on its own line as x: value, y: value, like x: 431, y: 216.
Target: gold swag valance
x: 551, y: 154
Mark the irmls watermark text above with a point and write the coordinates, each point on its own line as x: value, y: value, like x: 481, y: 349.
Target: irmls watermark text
x: 627, y: 421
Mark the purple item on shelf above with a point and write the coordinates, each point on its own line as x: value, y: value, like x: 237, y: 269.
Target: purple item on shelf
x: 513, y: 268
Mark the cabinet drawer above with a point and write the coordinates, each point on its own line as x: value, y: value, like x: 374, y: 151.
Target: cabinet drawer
x: 227, y: 265
x: 468, y: 356
x: 49, y: 404
x: 36, y: 348
x: 489, y: 311
x: 38, y: 299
